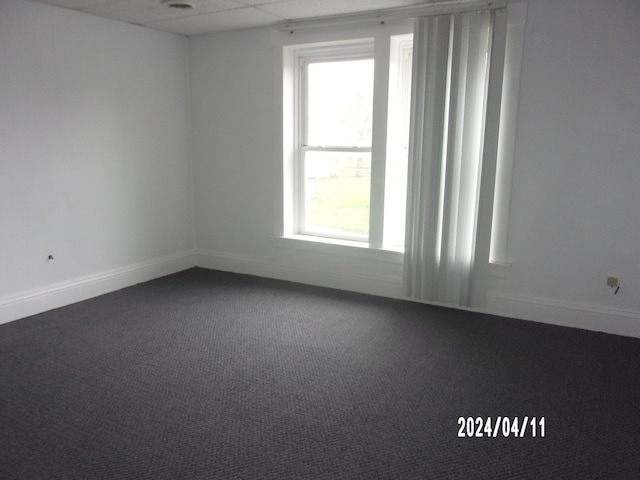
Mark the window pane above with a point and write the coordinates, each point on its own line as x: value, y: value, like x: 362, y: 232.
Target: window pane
x: 340, y: 103
x: 337, y: 193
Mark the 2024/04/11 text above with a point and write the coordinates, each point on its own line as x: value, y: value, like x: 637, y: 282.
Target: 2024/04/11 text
x: 515, y: 427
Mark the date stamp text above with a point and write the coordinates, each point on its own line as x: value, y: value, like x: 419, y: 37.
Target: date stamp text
x: 492, y: 427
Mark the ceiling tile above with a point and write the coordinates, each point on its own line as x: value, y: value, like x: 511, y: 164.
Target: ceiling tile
x: 75, y: 4
x: 145, y: 11
x: 217, y: 22
x: 258, y: 2
x: 208, y: 16
x: 298, y: 9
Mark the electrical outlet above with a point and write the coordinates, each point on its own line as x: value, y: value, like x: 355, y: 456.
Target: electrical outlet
x: 612, y: 282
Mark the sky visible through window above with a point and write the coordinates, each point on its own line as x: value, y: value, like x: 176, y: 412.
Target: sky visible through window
x: 340, y: 103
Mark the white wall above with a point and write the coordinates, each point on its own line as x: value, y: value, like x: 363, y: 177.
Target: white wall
x: 575, y: 213
x: 233, y: 127
x: 94, y: 154
x: 575, y: 199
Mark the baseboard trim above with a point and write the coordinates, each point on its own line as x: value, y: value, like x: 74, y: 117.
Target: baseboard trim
x: 537, y: 309
x: 371, y: 284
x: 40, y: 300
x: 564, y: 313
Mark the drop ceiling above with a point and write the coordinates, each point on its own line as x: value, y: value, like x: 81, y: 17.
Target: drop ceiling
x: 210, y: 16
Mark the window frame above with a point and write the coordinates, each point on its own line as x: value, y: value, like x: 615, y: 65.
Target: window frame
x: 399, y: 103
x: 361, y: 50
x: 376, y: 38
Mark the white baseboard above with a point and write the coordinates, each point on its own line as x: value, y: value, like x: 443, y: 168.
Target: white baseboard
x: 40, y: 300
x: 568, y: 314
x: 544, y: 310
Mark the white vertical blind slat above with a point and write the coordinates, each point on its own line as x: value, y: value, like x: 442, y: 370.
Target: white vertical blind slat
x: 449, y: 94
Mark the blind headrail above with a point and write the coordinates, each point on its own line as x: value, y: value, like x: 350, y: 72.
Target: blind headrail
x: 400, y: 13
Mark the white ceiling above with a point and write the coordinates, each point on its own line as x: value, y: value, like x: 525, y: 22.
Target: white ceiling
x: 209, y: 16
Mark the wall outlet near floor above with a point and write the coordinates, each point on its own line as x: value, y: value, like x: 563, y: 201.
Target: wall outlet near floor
x: 612, y: 281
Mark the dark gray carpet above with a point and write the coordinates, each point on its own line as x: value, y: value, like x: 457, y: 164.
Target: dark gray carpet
x: 210, y: 375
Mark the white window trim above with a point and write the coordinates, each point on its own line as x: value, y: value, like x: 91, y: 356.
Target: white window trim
x: 499, y: 262
x: 399, y: 91
x: 334, y: 247
x: 301, y: 44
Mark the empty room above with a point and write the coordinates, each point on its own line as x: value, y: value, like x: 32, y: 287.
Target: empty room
x: 273, y: 239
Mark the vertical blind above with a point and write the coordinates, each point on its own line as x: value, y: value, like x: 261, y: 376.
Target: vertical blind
x: 456, y: 88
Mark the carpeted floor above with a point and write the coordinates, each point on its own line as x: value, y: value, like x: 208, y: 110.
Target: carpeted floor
x: 211, y: 375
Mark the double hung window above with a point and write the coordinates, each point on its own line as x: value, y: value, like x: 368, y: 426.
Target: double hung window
x: 351, y: 104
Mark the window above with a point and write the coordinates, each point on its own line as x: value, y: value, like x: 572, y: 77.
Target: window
x: 351, y: 130
x: 393, y: 142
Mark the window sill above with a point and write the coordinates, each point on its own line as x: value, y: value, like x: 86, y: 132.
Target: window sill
x: 498, y: 269
x: 334, y: 247
x: 357, y: 250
